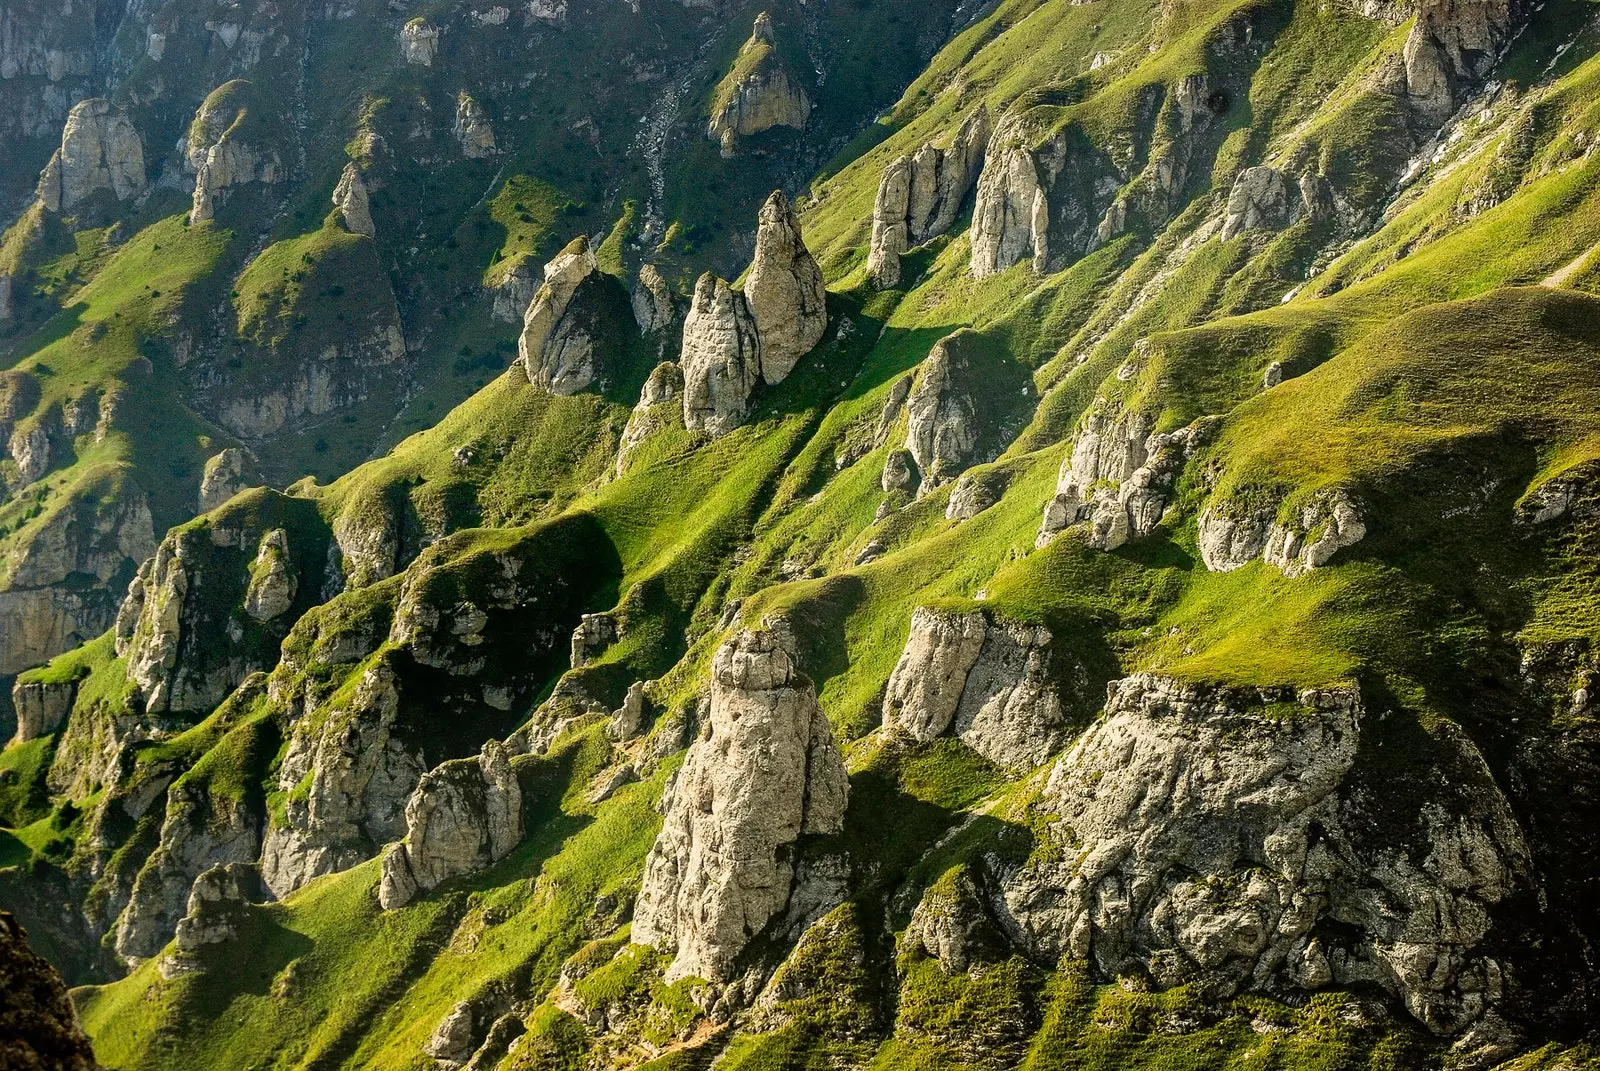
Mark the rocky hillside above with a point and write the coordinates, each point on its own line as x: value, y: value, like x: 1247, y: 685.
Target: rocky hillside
x: 849, y: 535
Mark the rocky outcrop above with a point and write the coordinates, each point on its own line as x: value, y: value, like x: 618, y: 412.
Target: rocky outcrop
x: 273, y: 581
x: 558, y: 348
x: 721, y: 358
x: 973, y: 494
x: 419, y: 43
x: 367, y: 542
x: 662, y: 387
x: 764, y: 771
x: 350, y: 199
x: 759, y: 93
x: 784, y: 291
x: 473, y: 130
x: 225, y: 475
x: 920, y: 195
x: 513, y: 287
x: 100, y: 150
x: 595, y: 632
x: 347, y: 777
x: 1452, y: 46
x: 38, y: 1025
x: 202, y: 828
x: 1119, y: 477
x: 952, y: 924
x: 950, y: 409
x: 1203, y: 834
x: 655, y: 309
x: 1230, y: 536
x: 1263, y: 198
x: 988, y: 679
x: 217, y: 905
x: 465, y: 815
x: 220, y: 151
x: 41, y: 706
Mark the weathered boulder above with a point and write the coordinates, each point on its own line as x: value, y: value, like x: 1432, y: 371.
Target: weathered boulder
x: 1230, y: 536
x: 654, y: 307
x: 41, y: 706
x: 784, y: 291
x: 1264, y: 198
x: 100, y: 150
x: 38, y: 1024
x: 759, y: 93
x: 357, y: 777
x: 222, y: 149
x: 946, y: 429
x: 919, y: 196
x: 987, y: 678
x: 226, y: 474
x: 558, y: 347
x: 350, y: 198
x: 218, y: 902
x: 1010, y: 217
x: 273, y: 580
x: 951, y: 923
x: 1118, y: 477
x: 473, y: 130
x: 465, y: 815
x: 1452, y: 46
x: 764, y: 771
x: 1203, y: 834
x: 973, y: 494
x: 721, y: 357
x: 419, y: 42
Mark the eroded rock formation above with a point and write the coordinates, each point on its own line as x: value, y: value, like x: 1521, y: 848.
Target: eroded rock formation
x: 350, y: 198
x: 220, y: 151
x: 758, y: 94
x: 721, y: 357
x: 764, y: 771
x: 784, y: 291
x: 558, y: 347
x: 920, y: 195
x: 473, y: 130
x: 1453, y: 44
x: 1232, y: 535
x: 100, y: 150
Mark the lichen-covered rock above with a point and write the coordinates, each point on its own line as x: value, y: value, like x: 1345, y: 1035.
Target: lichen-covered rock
x: 38, y: 1025
x: 226, y: 474
x: 1217, y: 835
x: 347, y: 777
x: 465, y: 815
x: 784, y: 291
x: 919, y: 196
x: 100, y: 150
x: 987, y: 678
x: 41, y: 706
x: 1452, y: 46
x: 350, y: 198
x: 473, y: 131
x: 764, y: 771
x: 721, y: 358
x: 419, y: 43
x: 758, y: 94
x: 899, y: 472
x: 273, y: 581
x: 1231, y: 536
x: 558, y: 347
x: 368, y: 542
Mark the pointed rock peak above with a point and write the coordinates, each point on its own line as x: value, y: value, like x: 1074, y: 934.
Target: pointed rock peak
x: 784, y: 290
x: 721, y: 357
x: 350, y: 197
x: 763, y: 29
x: 100, y: 150
x: 557, y: 352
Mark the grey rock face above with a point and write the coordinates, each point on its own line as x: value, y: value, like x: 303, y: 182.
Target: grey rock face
x: 473, y: 131
x: 721, y: 357
x: 951, y: 923
x: 1452, y: 45
x: 654, y: 308
x: 784, y: 291
x: 988, y: 679
x: 41, y: 706
x: 899, y: 472
x: 595, y: 632
x: 226, y: 474
x: 972, y: 495
x: 419, y: 43
x: 1263, y: 198
x: 919, y: 196
x: 1118, y: 478
x: 272, y: 578
x: 201, y: 830
x: 945, y: 433
x: 219, y: 157
x: 464, y: 815
x: 764, y: 770
x: 1011, y: 217
x: 766, y: 94
x: 100, y: 150
x: 556, y: 348
x: 514, y: 292
x: 217, y: 904
x: 1204, y: 836
x: 350, y: 198
x: 359, y: 778
x: 663, y: 387
x: 368, y: 545
x: 1230, y: 537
